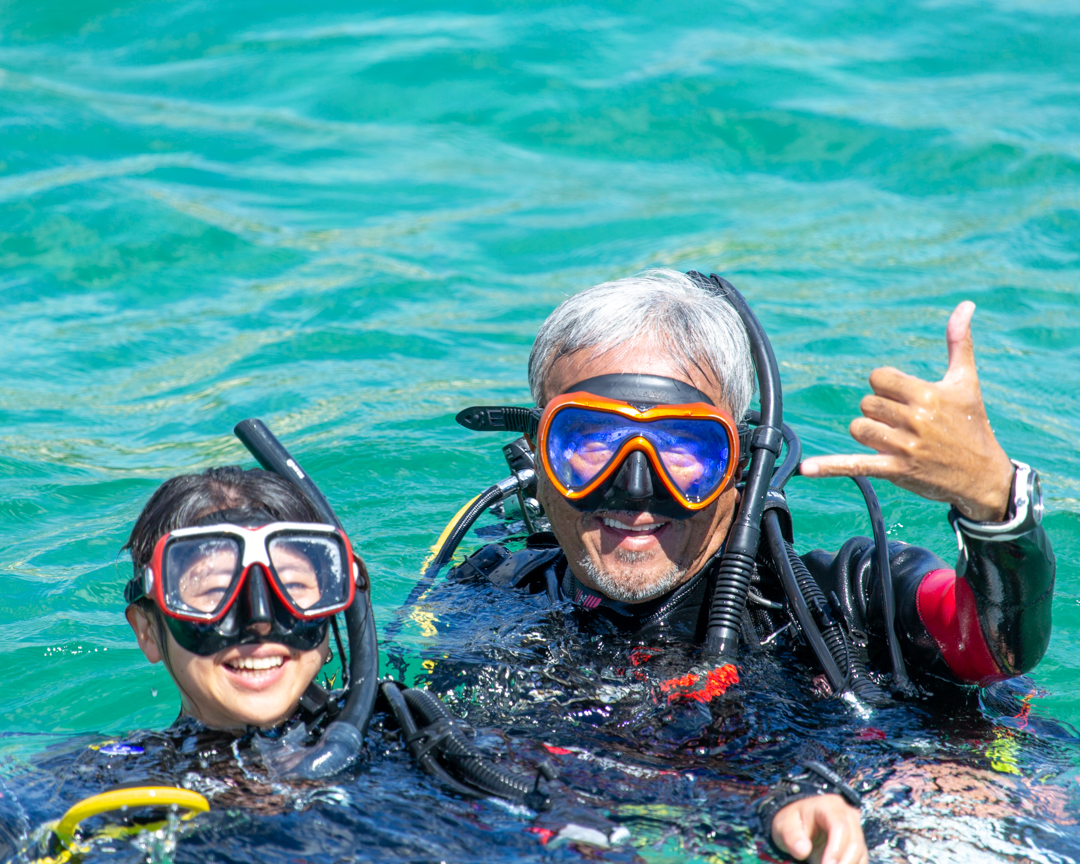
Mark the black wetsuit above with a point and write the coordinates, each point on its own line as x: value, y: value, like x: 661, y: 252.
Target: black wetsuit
x: 619, y: 697
x: 985, y: 621
x: 379, y: 811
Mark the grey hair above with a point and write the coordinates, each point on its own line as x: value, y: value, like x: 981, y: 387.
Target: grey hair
x: 663, y: 309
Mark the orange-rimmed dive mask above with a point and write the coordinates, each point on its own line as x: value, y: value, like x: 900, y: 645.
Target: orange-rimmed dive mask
x: 638, y: 442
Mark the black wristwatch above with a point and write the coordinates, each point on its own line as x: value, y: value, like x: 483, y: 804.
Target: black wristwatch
x: 805, y: 781
x: 1024, y: 513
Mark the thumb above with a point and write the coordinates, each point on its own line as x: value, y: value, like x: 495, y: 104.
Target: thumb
x: 961, y: 346
x: 790, y: 832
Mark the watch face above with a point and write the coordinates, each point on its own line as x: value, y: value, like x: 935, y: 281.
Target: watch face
x: 1036, y: 498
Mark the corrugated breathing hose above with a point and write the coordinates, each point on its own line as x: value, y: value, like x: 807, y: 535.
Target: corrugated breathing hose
x: 848, y: 657
x: 443, y: 735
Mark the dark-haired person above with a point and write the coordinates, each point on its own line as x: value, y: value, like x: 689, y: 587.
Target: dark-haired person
x: 235, y: 579
x: 638, y: 385
x: 241, y: 655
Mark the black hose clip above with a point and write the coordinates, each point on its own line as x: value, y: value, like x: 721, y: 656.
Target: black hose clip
x: 432, y: 735
x: 767, y: 438
x: 538, y: 799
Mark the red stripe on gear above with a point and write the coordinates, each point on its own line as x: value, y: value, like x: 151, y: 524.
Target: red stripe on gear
x: 947, y: 609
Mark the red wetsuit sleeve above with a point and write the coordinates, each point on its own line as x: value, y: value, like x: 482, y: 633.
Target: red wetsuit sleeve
x: 987, y: 619
x: 946, y: 606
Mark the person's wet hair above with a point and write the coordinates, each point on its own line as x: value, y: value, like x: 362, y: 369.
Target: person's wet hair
x: 660, y: 309
x: 187, y: 500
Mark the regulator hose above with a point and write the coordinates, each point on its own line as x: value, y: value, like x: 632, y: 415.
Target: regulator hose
x: 732, y: 583
x: 778, y: 551
x: 423, y: 756
x: 469, y: 761
x: 343, y: 740
x: 453, y: 535
x: 791, y: 461
x: 842, y: 662
x: 491, y: 495
x: 901, y: 683
x: 444, y: 735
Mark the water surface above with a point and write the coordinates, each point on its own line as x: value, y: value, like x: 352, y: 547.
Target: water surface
x: 351, y: 222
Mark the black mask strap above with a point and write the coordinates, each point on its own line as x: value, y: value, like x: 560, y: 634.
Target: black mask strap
x: 641, y: 391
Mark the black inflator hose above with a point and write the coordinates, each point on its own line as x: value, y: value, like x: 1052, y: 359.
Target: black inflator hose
x: 467, y: 760
x: 732, y: 583
x: 491, y: 495
x: 343, y: 739
x: 901, y: 682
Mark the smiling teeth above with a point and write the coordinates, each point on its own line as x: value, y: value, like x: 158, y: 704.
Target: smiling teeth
x: 257, y: 663
x: 615, y: 523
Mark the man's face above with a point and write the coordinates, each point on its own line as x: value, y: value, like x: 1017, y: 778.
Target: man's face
x: 630, y: 555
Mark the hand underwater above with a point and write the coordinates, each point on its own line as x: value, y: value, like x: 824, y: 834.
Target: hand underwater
x: 824, y: 829
x: 933, y: 439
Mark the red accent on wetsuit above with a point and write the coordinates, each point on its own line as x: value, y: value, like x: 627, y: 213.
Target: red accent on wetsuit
x: 545, y: 834
x: 687, y: 688
x: 946, y: 607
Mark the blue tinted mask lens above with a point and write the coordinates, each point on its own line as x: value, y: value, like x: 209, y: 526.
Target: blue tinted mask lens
x: 694, y: 452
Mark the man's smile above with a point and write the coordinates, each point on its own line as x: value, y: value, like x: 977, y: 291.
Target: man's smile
x: 635, y: 532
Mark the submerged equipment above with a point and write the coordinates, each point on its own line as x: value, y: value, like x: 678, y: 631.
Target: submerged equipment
x: 762, y: 508
x: 65, y: 842
x: 291, y: 575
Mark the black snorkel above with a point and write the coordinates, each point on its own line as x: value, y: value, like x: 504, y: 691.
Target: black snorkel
x: 440, y: 746
x: 736, y: 567
x: 843, y: 663
x: 343, y: 740
x: 732, y: 580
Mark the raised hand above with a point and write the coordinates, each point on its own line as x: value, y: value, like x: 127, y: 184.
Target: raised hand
x: 933, y: 439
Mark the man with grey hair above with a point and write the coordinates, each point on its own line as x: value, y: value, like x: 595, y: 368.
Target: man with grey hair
x: 662, y: 324
x: 640, y: 385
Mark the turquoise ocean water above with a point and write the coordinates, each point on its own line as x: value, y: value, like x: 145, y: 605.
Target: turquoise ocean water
x: 351, y: 221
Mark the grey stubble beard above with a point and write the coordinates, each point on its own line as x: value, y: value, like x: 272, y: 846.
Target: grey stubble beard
x: 617, y: 589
